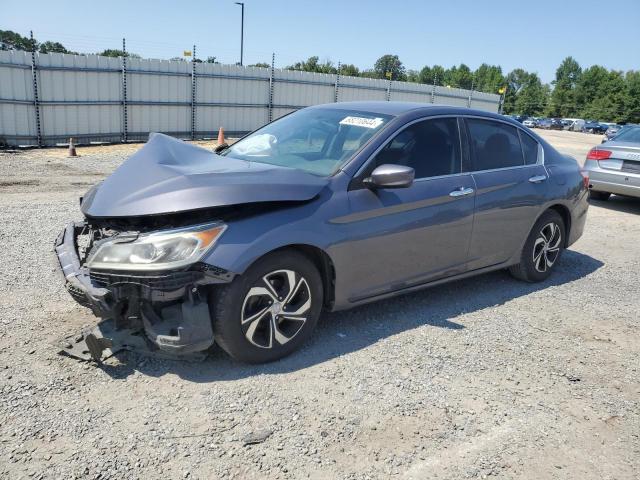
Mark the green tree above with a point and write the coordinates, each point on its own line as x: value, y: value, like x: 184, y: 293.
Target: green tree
x: 16, y: 41
x: 425, y: 75
x: 261, y: 64
x: 435, y: 75
x: 313, y: 64
x: 349, y: 70
x: 459, y: 77
x: 563, y: 101
x: 389, y: 67
x: 118, y: 53
x: 54, y: 47
x: 601, y: 94
x: 412, y: 76
x: 514, y: 81
x: 369, y: 73
x: 531, y: 99
x: 632, y: 97
x: 488, y: 78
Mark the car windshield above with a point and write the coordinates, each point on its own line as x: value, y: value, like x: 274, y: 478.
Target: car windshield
x: 316, y: 140
x: 629, y: 135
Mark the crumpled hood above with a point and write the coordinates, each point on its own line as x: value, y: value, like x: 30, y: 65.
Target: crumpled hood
x: 168, y: 175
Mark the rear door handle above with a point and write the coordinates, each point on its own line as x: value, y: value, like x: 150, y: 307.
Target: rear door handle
x: 461, y: 192
x: 538, y: 179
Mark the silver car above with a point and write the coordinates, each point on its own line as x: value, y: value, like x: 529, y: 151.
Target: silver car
x: 614, y: 166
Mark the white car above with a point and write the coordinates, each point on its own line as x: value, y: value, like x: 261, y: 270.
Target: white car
x: 531, y: 123
x: 575, y: 124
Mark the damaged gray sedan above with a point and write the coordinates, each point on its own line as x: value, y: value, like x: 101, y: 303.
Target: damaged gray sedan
x: 327, y: 208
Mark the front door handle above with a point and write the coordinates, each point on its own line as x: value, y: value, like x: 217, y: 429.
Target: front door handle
x: 538, y: 179
x: 461, y: 192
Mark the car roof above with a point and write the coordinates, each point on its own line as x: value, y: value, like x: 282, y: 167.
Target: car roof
x: 400, y: 108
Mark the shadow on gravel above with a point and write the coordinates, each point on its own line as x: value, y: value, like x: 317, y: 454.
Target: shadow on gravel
x: 341, y: 333
x: 619, y: 204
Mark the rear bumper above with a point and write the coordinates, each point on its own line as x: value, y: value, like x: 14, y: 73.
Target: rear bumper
x: 612, y: 181
x: 168, y: 310
x: 617, y: 188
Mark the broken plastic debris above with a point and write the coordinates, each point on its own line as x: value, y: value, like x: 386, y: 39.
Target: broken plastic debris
x: 258, y: 436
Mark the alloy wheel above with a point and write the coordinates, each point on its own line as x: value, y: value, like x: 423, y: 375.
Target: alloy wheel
x: 275, y: 309
x: 546, y: 248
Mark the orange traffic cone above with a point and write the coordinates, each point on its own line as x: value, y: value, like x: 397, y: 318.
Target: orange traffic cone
x: 72, y: 148
x: 221, y: 136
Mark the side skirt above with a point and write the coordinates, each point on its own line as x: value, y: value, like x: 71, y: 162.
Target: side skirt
x: 357, y: 301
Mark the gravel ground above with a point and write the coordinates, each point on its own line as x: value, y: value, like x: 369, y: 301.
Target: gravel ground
x: 507, y: 380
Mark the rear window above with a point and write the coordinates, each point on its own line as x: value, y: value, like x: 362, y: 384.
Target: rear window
x: 494, y: 145
x: 629, y: 135
x: 529, y: 149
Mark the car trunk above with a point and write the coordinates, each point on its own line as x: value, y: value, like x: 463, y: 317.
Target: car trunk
x: 624, y: 158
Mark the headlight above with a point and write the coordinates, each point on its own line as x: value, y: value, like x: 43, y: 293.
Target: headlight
x: 156, y: 251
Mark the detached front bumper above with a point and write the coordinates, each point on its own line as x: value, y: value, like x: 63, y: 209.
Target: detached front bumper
x: 76, y: 278
x: 158, y: 312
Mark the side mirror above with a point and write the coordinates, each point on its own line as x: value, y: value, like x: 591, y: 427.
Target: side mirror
x: 390, y: 176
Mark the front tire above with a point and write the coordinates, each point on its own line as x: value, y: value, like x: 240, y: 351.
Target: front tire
x: 270, y: 310
x: 542, y: 250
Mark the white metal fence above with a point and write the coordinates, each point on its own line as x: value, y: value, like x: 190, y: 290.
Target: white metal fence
x: 47, y: 98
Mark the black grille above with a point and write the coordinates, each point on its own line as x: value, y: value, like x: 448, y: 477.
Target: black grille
x: 630, y: 166
x: 204, y: 267
x: 78, y: 295
x: 164, y: 281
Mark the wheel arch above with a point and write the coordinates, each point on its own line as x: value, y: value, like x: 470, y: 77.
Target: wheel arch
x: 565, y: 214
x: 322, y: 262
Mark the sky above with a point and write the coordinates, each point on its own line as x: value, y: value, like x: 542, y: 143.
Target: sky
x: 535, y: 35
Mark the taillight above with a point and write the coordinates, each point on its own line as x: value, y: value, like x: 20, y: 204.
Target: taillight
x: 596, y: 154
x: 585, y: 178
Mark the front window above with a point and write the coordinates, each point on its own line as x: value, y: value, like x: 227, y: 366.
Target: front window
x: 316, y: 140
x: 430, y: 147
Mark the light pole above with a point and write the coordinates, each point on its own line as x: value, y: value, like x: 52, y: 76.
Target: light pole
x: 241, y: 31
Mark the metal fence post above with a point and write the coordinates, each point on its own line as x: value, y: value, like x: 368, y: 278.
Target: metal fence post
x: 389, y: 91
x: 337, y: 86
x: 503, y: 97
x: 470, y: 94
x: 433, y: 88
x: 271, y: 72
x: 36, y: 100
x: 125, y: 129
x: 193, y: 94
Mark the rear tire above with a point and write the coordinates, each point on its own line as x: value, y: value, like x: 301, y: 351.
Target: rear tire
x: 270, y: 310
x: 602, y: 196
x: 542, y: 250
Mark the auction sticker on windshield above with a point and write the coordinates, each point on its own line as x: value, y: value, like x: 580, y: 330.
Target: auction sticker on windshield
x: 362, y: 122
